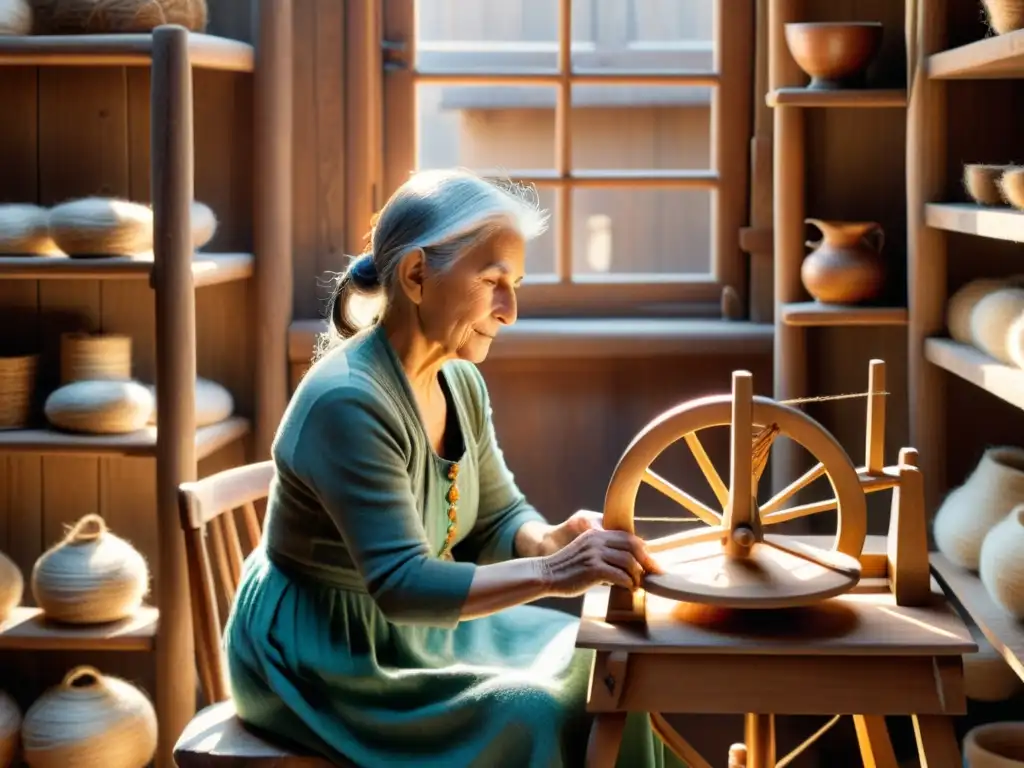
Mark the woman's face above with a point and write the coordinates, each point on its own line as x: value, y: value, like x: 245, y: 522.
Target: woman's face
x: 464, y: 307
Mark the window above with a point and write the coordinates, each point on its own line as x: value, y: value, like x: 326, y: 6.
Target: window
x: 632, y: 118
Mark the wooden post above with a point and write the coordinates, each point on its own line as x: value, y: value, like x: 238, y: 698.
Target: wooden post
x: 272, y: 215
x: 788, y: 233
x: 172, y: 157
x: 926, y: 247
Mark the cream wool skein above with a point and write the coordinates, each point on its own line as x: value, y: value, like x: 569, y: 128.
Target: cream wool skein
x: 90, y: 577
x: 90, y: 720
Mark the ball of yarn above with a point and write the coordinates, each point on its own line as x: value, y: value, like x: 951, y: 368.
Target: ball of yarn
x: 25, y: 228
x: 961, y: 304
x: 76, y: 17
x: 12, y: 587
x: 102, y: 226
x: 204, y: 224
x: 992, y: 318
x: 15, y: 19
x: 99, y: 407
x: 91, y: 576
x: 90, y: 720
x: 214, y: 402
x: 10, y: 727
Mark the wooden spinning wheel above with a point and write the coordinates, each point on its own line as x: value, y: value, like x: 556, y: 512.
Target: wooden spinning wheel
x: 734, y: 561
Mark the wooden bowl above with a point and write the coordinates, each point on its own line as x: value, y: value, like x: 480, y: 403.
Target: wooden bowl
x: 1011, y: 185
x: 981, y: 181
x: 835, y: 55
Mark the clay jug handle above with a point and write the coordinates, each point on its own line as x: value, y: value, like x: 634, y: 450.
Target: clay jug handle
x: 815, y: 244
x: 877, y: 234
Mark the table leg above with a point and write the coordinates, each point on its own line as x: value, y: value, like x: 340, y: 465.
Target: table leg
x: 759, y: 734
x: 936, y: 742
x: 873, y: 738
x: 605, y: 739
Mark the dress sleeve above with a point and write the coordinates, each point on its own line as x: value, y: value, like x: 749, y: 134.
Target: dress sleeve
x: 352, y: 453
x: 503, y: 508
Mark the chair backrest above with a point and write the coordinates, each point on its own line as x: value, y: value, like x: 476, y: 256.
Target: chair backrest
x: 214, y: 551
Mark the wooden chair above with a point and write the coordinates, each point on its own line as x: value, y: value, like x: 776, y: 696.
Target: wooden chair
x: 216, y: 738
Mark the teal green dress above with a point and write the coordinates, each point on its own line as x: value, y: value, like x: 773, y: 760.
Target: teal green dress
x: 345, y: 636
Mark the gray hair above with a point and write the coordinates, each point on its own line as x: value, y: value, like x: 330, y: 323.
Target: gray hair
x: 444, y: 213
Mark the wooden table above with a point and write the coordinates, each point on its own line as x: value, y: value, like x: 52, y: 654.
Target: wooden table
x: 858, y: 654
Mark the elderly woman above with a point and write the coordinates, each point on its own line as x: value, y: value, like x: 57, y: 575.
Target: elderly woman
x: 383, y: 622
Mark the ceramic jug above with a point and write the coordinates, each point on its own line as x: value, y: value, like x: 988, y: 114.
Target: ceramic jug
x: 846, y: 265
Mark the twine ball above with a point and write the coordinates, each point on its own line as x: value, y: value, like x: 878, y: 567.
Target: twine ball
x: 15, y: 19
x: 10, y: 727
x: 99, y: 407
x: 24, y: 228
x: 90, y: 720
x: 12, y: 588
x: 992, y: 318
x: 91, y: 576
x: 76, y: 17
x: 102, y: 226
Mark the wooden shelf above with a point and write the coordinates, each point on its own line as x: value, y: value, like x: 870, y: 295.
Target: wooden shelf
x: 142, y: 443
x: 982, y: 220
x: 963, y: 360
x: 965, y: 590
x: 27, y: 630
x: 811, y: 313
x: 853, y: 98
x: 1000, y: 56
x: 207, y: 268
x: 205, y: 51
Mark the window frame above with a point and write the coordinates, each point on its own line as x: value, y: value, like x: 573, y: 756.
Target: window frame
x: 390, y: 109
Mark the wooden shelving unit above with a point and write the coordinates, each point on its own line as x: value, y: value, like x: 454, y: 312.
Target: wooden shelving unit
x: 794, y: 313
x: 174, y: 273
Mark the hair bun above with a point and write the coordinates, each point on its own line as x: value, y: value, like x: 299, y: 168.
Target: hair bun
x: 363, y: 271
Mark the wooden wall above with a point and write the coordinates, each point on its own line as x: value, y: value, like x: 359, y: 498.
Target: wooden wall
x: 70, y: 132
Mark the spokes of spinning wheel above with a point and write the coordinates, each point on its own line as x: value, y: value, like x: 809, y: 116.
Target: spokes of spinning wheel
x: 732, y: 561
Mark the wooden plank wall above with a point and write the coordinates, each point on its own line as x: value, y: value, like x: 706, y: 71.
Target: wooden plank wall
x: 72, y: 132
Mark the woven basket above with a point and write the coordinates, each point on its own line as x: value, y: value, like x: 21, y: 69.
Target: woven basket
x: 95, y: 357
x: 17, y: 387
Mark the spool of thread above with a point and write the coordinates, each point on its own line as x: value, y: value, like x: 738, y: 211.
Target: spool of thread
x: 90, y: 720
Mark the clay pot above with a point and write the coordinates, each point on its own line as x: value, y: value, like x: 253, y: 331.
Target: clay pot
x: 1004, y: 15
x: 845, y: 267
x: 995, y: 745
x: 835, y: 55
x: 970, y: 511
x: 1002, y: 563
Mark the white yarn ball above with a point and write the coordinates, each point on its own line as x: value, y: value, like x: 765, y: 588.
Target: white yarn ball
x: 960, y: 305
x: 15, y: 17
x: 214, y: 402
x: 1002, y: 563
x: 102, y: 226
x: 100, y: 407
x: 25, y: 228
x: 992, y: 318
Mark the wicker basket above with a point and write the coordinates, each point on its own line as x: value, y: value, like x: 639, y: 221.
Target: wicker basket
x: 17, y: 387
x: 95, y: 357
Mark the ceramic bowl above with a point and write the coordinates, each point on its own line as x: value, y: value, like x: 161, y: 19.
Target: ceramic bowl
x: 835, y: 55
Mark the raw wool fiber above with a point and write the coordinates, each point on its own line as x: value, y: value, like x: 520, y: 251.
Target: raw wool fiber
x: 76, y: 17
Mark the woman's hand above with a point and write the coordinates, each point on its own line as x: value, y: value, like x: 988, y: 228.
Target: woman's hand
x: 597, y: 556
x: 563, y: 534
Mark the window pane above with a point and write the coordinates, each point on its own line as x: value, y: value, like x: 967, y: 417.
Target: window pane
x: 482, y: 128
x: 643, y: 34
x: 641, y: 231
x: 641, y: 128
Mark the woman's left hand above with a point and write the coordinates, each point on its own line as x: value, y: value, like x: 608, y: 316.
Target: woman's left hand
x: 565, y: 533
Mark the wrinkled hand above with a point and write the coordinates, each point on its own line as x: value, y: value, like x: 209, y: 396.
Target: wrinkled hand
x: 597, y: 556
x: 565, y: 533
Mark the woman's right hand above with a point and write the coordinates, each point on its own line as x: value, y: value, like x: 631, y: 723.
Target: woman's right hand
x: 597, y: 557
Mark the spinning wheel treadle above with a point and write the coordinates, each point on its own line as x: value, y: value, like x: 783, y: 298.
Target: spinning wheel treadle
x: 733, y: 562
